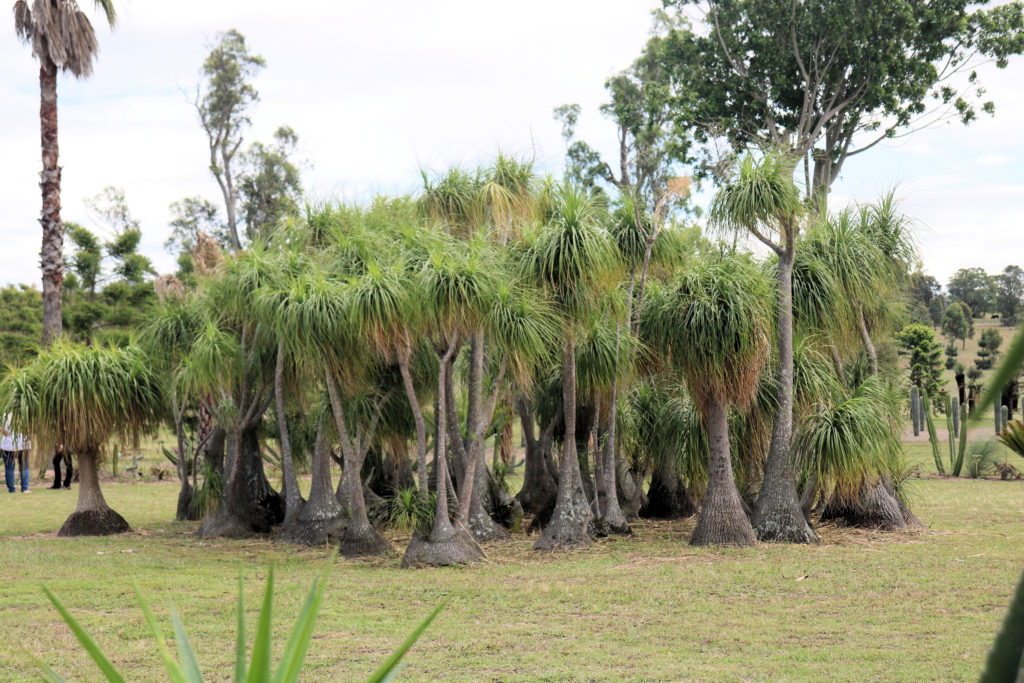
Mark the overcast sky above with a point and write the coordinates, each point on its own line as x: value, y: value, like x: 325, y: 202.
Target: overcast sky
x: 377, y: 91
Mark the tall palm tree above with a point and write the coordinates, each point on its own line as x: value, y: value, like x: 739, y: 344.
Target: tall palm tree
x: 82, y: 396
x: 714, y: 325
x: 762, y: 200
x: 575, y: 261
x: 62, y: 38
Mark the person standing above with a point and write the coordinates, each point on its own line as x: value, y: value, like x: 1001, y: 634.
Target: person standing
x: 14, y: 447
x: 60, y: 455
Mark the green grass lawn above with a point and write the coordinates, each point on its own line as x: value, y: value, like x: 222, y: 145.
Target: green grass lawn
x: 860, y: 606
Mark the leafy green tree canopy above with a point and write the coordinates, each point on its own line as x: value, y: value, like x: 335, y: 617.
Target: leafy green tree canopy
x: 828, y: 80
x: 974, y: 287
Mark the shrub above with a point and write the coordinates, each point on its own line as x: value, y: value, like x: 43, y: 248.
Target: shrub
x: 981, y: 459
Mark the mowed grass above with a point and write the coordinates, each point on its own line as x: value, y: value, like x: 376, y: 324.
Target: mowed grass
x: 860, y: 606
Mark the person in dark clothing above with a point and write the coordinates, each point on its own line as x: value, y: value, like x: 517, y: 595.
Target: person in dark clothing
x: 60, y: 455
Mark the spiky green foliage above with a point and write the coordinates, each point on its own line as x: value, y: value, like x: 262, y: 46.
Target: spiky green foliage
x: 522, y: 326
x: 849, y: 441
x: 713, y: 324
x: 411, y: 512
x: 571, y: 256
x: 1005, y: 661
x: 259, y: 668
x: 82, y: 396
x: 662, y: 431
x: 761, y: 199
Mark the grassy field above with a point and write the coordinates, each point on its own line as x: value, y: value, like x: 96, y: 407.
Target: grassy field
x: 860, y: 606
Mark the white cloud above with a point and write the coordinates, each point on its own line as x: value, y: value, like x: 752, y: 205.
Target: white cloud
x: 378, y: 90
x: 993, y: 159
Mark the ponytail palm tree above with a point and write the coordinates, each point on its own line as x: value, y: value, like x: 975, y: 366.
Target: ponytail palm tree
x: 850, y: 445
x: 81, y: 397
x: 62, y: 38
x: 575, y: 261
x: 714, y: 326
x: 762, y: 200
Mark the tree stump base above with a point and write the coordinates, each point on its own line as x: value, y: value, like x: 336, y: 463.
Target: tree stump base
x: 95, y: 522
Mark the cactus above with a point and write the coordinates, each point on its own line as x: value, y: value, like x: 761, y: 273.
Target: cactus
x: 956, y: 426
x: 962, y: 447
x: 915, y: 409
x: 932, y: 436
x: 1004, y: 414
x: 998, y: 416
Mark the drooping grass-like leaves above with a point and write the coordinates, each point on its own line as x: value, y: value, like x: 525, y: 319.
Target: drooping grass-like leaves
x: 1005, y: 660
x: 258, y: 669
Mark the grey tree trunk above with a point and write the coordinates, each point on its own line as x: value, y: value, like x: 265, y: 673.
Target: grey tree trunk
x: 722, y: 520
x: 248, y: 504
x: 185, y: 509
x: 421, y: 426
x: 292, y: 498
x: 571, y: 517
x: 611, y: 512
x: 321, y: 519
x: 360, y: 538
x: 777, y: 516
x: 539, y: 484
x: 445, y: 545
x: 865, y: 336
x: 92, y: 515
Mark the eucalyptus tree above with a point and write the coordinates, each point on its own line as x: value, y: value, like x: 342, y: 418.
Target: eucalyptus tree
x: 62, y: 39
x: 222, y: 107
x: 81, y: 396
x: 829, y: 80
x: 761, y: 199
x: 575, y: 261
x: 714, y: 324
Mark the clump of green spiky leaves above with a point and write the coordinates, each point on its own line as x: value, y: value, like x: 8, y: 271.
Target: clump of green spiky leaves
x: 258, y: 669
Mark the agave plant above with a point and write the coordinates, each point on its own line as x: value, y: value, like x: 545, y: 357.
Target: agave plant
x: 258, y: 668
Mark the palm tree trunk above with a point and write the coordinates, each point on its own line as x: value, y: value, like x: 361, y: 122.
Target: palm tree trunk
x: 571, y: 517
x: 869, y: 346
x: 52, y: 253
x: 184, y: 510
x: 292, y: 497
x: 421, y: 425
x: 445, y: 545
x: 360, y: 537
x: 777, y: 516
x: 92, y: 515
x: 539, y: 487
x: 722, y: 520
x: 321, y: 518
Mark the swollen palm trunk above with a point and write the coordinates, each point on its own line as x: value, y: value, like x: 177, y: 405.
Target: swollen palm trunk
x: 92, y: 516
x: 248, y: 506
x: 321, y: 519
x: 446, y: 545
x: 722, y: 520
x: 571, y: 516
x: 778, y: 515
